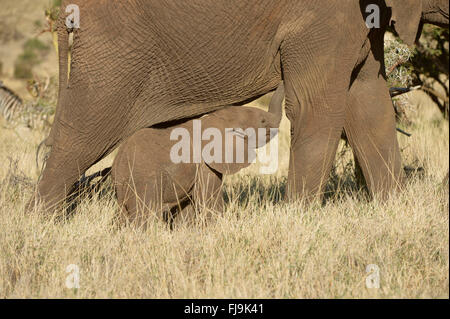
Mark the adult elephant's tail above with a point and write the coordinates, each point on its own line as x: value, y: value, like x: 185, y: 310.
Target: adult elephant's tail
x: 63, y: 48
x: 64, y: 63
x: 62, y: 32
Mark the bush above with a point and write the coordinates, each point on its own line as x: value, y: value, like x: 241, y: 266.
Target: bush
x: 425, y: 65
x: 38, y: 113
x: 398, y: 63
x: 52, y: 13
x: 431, y: 64
x: 33, y: 52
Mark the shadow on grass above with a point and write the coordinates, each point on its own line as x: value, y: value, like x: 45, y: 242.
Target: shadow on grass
x: 254, y: 190
x: 257, y: 192
x: 345, y: 182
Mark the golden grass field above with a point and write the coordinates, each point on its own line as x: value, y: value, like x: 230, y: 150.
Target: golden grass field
x: 260, y: 248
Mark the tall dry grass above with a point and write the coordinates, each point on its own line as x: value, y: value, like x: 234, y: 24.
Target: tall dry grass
x: 260, y: 248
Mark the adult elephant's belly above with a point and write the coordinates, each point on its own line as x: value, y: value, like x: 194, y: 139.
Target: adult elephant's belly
x: 175, y: 60
x: 198, y: 68
x: 194, y: 86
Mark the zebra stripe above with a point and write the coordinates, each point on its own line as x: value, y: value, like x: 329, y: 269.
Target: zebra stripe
x: 10, y: 103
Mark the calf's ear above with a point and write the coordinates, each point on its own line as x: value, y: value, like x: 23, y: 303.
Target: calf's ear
x: 228, y: 168
x: 406, y: 18
x: 235, y: 146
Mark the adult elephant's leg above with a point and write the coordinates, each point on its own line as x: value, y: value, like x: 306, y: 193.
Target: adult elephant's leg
x: 58, y: 177
x: 315, y: 100
x: 370, y: 127
x: 71, y: 155
x: 83, y: 134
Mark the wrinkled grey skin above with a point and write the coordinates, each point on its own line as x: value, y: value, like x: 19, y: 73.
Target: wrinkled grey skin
x: 148, y: 182
x: 139, y: 63
x: 369, y: 90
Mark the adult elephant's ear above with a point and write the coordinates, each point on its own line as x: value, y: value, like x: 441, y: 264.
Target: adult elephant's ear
x: 406, y: 16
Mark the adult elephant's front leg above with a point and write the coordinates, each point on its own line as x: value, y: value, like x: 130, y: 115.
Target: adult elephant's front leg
x: 315, y: 101
x: 370, y: 127
x: 314, y: 140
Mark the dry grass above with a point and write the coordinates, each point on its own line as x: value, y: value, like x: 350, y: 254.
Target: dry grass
x: 260, y: 248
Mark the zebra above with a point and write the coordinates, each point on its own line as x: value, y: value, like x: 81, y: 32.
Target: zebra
x: 10, y: 103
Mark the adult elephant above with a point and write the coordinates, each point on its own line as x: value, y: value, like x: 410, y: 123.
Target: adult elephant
x: 139, y: 63
x: 368, y: 100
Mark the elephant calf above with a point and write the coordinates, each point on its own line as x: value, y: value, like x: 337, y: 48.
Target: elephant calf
x: 149, y: 182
